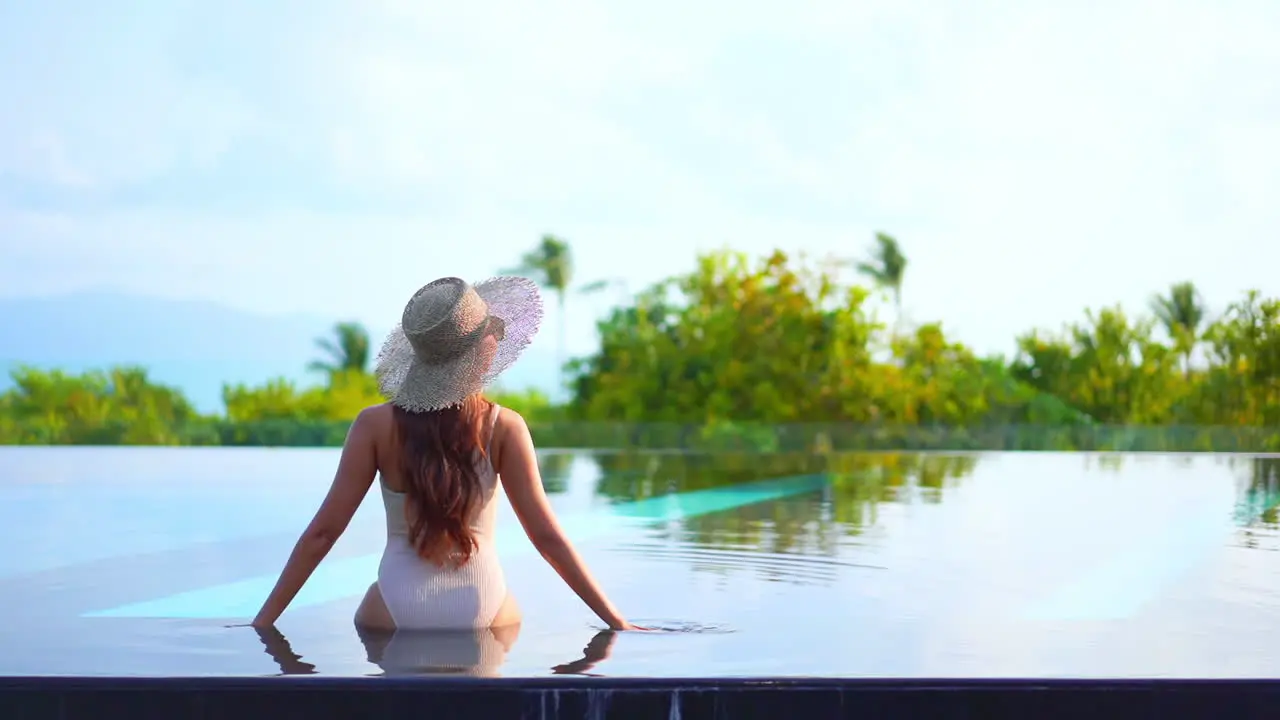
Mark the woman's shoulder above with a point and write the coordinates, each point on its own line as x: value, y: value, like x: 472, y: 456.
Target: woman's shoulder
x: 509, y: 423
x: 376, y: 416
x: 508, y: 417
x: 509, y: 432
x: 381, y: 410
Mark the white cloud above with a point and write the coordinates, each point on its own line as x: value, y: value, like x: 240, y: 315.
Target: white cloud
x: 1032, y: 157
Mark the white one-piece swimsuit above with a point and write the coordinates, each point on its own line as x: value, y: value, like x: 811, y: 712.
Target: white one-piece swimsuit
x: 421, y: 595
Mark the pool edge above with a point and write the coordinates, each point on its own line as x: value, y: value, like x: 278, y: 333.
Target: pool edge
x: 550, y: 698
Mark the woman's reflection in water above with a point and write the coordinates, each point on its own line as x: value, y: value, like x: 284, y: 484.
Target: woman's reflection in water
x: 281, y: 651
x: 599, y: 648
x: 479, y: 653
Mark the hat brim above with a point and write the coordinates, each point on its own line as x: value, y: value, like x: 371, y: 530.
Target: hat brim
x: 420, y: 387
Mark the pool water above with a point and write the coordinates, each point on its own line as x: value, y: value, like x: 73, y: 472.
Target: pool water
x: 134, y: 561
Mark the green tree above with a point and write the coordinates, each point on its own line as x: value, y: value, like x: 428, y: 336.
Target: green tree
x: 886, y: 267
x: 277, y: 399
x: 1242, y: 384
x: 118, y: 406
x: 1181, y: 312
x: 729, y: 341
x: 1110, y: 367
x: 348, y: 349
x: 550, y: 264
x: 595, y: 286
x: 534, y: 405
x: 347, y: 393
x: 770, y: 341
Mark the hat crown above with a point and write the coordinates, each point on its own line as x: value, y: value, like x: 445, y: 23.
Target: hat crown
x: 439, y: 354
x: 442, y: 320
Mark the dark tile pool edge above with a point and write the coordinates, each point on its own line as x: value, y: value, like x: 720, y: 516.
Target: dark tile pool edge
x: 315, y: 698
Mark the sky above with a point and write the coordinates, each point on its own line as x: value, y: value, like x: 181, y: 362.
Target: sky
x: 1033, y: 158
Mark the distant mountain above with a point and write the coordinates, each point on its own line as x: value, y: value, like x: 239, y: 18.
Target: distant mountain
x: 194, y: 345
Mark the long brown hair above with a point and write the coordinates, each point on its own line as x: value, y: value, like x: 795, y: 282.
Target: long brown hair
x: 439, y: 455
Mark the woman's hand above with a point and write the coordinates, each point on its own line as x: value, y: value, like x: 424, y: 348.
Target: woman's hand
x: 261, y: 622
x: 256, y: 625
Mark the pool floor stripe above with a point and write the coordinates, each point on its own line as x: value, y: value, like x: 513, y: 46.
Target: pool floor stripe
x: 1122, y: 585
x: 349, y: 577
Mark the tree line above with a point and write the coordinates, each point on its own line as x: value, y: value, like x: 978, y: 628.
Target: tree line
x: 779, y: 353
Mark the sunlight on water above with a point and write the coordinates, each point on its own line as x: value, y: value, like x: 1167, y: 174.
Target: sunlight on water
x: 853, y: 564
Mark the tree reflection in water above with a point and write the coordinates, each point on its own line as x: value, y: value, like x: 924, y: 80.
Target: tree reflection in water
x: 1258, y: 500
x: 554, y: 466
x: 799, y: 537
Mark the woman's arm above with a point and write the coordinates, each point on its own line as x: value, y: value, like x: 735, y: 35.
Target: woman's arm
x: 351, y: 483
x: 517, y: 465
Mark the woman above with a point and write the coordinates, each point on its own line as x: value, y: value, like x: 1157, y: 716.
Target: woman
x: 439, y: 449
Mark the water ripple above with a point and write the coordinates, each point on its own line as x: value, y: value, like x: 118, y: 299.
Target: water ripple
x: 793, y: 567
x: 682, y: 626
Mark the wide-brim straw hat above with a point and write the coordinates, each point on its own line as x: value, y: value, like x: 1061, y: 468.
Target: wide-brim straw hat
x: 439, y: 354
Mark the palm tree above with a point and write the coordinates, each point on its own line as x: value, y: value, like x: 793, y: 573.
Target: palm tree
x: 886, y: 267
x: 347, y: 350
x: 550, y: 264
x: 617, y: 283
x: 1181, y: 312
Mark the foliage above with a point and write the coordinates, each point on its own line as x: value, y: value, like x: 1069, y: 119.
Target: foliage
x: 777, y: 341
x: 347, y: 392
x: 768, y: 356
x: 347, y: 351
x: 1109, y: 367
x: 692, y: 348
x: 120, y: 406
x: 887, y: 266
x: 1181, y: 312
x: 534, y: 405
x: 1115, y: 369
x: 550, y: 264
x: 1242, y: 384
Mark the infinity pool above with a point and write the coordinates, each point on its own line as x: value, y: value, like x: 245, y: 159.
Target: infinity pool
x: 129, y: 561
